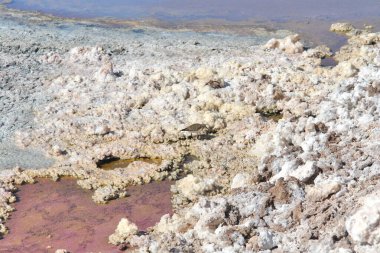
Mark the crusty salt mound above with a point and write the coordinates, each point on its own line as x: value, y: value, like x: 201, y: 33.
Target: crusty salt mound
x: 272, y: 152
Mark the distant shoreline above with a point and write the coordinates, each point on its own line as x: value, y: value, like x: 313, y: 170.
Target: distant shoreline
x: 314, y: 31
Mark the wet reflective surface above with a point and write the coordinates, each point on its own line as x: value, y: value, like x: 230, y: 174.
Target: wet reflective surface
x: 114, y: 163
x: 193, y: 9
x: 60, y: 215
x: 309, y: 18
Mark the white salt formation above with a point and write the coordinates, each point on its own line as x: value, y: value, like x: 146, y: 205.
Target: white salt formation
x: 290, y: 44
x: 124, y: 230
x: 278, y: 153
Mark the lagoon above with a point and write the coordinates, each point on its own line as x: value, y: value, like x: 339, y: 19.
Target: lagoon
x: 205, y: 9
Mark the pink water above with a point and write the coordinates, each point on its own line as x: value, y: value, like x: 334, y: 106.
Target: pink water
x: 51, y: 215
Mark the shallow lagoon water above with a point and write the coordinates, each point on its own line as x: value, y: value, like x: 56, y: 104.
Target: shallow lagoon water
x: 190, y: 9
x: 310, y: 18
x: 53, y: 215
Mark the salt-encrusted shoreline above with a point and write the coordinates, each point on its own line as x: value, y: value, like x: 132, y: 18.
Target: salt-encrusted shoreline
x: 286, y: 158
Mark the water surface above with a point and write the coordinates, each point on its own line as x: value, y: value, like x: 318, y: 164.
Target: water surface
x: 60, y: 215
x: 310, y: 18
x: 190, y: 9
x: 115, y: 163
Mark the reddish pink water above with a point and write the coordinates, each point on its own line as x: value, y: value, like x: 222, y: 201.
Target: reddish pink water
x: 52, y: 216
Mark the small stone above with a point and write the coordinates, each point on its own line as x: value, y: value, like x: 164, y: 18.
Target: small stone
x: 373, y: 88
x: 61, y: 251
x: 12, y: 199
x: 124, y: 230
x: 279, y: 192
x: 56, y: 150
x: 105, y: 73
x: 345, y: 70
x: 216, y: 84
x: 78, y: 79
x: 123, y: 247
x: 376, y: 60
x: 322, y: 192
x: 320, y: 52
x: 342, y: 27
x: 363, y: 226
x: 306, y: 172
x: 290, y: 44
x: 266, y: 240
x: 103, y: 194
x: 192, y: 187
x: 341, y: 250
x: 195, y: 128
x: 241, y: 180
x: 3, y: 229
x: 204, y: 73
x: 102, y: 130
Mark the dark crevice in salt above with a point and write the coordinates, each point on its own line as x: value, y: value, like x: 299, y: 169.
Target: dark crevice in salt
x: 271, y: 114
x: 107, y: 160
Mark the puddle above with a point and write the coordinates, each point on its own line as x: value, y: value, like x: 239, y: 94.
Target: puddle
x: 317, y: 32
x: 189, y: 158
x: 271, y: 114
x: 54, y: 215
x: 115, y: 162
x: 275, y: 117
x: 328, y: 62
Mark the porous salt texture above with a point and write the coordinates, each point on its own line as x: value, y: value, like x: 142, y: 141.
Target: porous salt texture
x: 298, y: 143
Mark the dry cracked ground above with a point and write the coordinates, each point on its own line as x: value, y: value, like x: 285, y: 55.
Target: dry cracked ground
x: 271, y: 151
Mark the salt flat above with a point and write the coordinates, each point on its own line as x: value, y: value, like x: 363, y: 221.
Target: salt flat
x: 287, y: 159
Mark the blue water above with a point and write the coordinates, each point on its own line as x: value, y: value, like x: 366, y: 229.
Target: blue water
x: 310, y: 18
x: 200, y: 9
